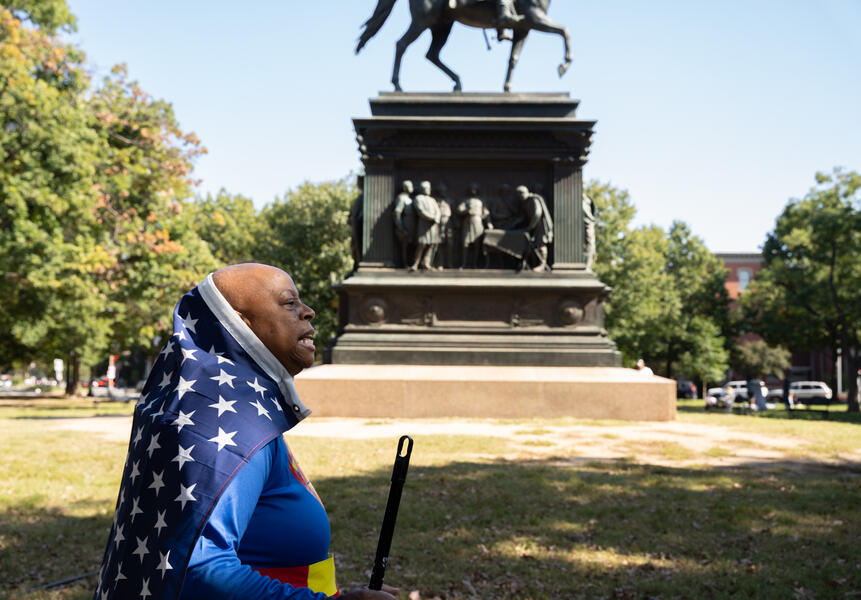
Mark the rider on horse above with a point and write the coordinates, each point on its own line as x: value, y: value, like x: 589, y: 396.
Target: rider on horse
x: 506, y: 16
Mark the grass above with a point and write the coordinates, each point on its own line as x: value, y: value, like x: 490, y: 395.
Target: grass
x: 718, y: 452
x: 478, y: 519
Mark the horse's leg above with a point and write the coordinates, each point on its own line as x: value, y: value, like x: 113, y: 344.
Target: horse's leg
x: 516, y: 46
x: 414, y: 31
x: 440, y: 33
x: 538, y: 20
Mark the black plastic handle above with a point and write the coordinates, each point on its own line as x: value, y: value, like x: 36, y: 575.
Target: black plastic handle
x: 399, y: 476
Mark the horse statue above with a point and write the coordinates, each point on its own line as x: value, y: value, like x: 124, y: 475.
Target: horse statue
x: 440, y: 15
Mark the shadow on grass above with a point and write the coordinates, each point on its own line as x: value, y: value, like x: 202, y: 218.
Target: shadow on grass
x: 538, y: 530
x: 44, y: 546
x: 545, y: 529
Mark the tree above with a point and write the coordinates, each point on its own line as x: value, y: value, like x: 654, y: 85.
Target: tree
x: 230, y: 225
x: 146, y: 227
x: 308, y: 236
x: 47, y: 168
x: 708, y: 359
x: 698, y: 278
x: 668, y: 304
x: 96, y: 240
x: 806, y: 295
x: 756, y: 359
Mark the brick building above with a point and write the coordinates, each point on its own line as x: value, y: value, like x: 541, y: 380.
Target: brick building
x: 816, y: 365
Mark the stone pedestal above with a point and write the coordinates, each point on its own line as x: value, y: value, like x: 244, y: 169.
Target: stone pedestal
x: 473, y: 317
x: 402, y: 391
x: 497, y: 314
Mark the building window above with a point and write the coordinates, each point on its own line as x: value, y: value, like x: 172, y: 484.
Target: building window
x: 743, y: 279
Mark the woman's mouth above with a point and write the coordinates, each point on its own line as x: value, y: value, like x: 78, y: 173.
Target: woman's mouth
x: 307, y: 341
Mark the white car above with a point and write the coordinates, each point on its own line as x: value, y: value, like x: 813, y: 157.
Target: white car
x: 733, y: 393
x: 739, y: 389
x: 809, y: 392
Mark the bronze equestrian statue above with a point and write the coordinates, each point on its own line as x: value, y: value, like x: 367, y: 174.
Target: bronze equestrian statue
x: 440, y: 15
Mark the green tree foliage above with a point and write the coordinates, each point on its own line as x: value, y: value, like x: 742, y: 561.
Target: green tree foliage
x: 231, y: 227
x: 668, y: 304
x: 97, y: 242
x: 308, y: 236
x: 756, y: 358
x: 807, y: 293
x: 146, y: 227
x: 47, y: 168
x: 47, y: 15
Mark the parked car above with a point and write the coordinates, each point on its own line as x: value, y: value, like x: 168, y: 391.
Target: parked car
x: 810, y: 392
x: 685, y: 389
x: 739, y: 388
x: 775, y: 394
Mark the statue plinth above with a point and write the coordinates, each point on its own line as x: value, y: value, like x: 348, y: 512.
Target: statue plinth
x: 477, y: 151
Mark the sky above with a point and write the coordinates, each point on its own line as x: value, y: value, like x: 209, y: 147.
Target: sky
x: 712, y: 113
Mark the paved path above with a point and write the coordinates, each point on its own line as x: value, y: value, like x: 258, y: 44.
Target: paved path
x: 674, y: 443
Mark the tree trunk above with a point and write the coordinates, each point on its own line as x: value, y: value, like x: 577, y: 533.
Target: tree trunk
x: 852, y: 404
x: 73, y: 373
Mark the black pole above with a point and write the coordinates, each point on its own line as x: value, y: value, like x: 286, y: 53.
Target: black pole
x: 399, y: 476
x: 65, y: 581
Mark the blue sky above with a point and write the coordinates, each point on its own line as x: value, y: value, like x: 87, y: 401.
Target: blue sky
x: 714, y: 113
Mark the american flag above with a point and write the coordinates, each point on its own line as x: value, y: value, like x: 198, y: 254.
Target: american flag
x: 207, y: 406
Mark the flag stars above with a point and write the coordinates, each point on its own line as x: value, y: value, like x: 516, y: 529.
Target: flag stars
x: 224, y: 377
x: 184, y: 386
x: 145, y: 593
x: 188, y: 323
x: 184, y: 456
x: 182, y: 420
x: 135, y: 510
x: 118, y: 536
x: 260, y: 410
x: 135, y: 472
x: 257, y: 387
x: 188, y: 354
x: 163, y: 565
x: 223, y: 439
x: 153, y: 445
x: 141, y: 550
x: 157, y: 481
x: 160, y: 412
x: 168, y: 349
x: 120, y: 575
x: 186, y: 494
x: 138, y: 435
x: 165, y: 379
x: 223, y: 405
x: 220, y: 356
x: 277, y: 404
x: 160, y: 523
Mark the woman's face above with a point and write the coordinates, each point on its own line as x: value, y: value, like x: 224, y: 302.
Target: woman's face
x: 283, y: 322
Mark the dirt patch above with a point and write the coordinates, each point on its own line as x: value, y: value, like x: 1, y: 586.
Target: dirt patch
x: 676, y: 443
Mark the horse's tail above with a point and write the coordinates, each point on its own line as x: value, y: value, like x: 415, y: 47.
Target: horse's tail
x: 372, y: 25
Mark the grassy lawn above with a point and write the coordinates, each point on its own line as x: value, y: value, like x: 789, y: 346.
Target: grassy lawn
x: 495, y: 517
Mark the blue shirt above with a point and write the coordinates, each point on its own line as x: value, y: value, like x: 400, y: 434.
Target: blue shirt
x: 269, y: 516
